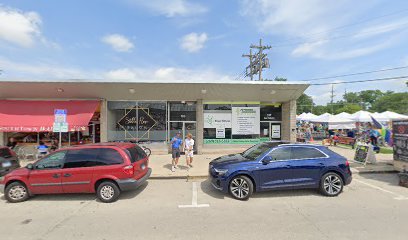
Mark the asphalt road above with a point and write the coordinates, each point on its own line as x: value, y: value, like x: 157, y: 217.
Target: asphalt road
x: 372, y: 207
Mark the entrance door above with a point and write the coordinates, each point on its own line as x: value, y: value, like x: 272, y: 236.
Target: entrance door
x: 184, y: 128
x: 275, y: 131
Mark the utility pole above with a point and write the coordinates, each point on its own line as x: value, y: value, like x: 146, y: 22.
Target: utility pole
x: 332, y: 97
x: 251, y: 65
x: 258, y: 61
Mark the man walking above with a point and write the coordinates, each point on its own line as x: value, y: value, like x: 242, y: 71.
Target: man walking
x: 175, y: 150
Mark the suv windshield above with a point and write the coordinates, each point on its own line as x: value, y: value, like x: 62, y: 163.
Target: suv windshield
x: 256, y: 150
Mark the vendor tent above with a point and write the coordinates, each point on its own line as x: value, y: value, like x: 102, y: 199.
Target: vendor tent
x: 361, y: 116
x: 343, y: 115
x: 335, y: 122
x: 389, y: 116
x: 306, y: 117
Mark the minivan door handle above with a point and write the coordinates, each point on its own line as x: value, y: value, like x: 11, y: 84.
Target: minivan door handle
x: 56, y: 175
x: 67, y: 174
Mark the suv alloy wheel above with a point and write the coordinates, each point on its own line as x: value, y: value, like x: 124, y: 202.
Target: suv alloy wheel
x: 241, y: 187
x: 331, y: 184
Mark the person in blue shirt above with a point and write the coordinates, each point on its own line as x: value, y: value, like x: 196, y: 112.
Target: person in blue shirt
x: 42, y: 149
x: 175, y: 150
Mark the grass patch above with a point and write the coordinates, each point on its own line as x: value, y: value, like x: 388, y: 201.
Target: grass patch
x: 386, y: 150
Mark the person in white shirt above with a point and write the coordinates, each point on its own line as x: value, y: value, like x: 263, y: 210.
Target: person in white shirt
x: 189, y: 149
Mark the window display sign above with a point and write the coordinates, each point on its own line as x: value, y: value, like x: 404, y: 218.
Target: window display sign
x: 245, y: 120
x: 220, y: 133
x: 276, y: 131
x: 137, y: 119
x: 217, y: 120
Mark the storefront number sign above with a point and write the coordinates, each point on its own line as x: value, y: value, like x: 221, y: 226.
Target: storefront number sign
x: 136, y: 119
x: 245, y: 120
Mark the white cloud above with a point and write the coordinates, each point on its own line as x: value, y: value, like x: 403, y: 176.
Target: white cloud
x: 118, y: 42
x: 17, y: 27
x: 171, y: 8
x: 193, y: 42
x: 166, y: 73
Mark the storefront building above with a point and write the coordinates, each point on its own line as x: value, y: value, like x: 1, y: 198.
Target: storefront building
x: 228, y: 113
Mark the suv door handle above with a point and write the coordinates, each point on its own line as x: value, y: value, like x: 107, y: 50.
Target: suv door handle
x: 56, y: 175
x: 288, y: 166
x: 67, y: 174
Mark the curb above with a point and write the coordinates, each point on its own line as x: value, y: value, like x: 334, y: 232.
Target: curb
x: 179, y: 177
x: 377, y: 171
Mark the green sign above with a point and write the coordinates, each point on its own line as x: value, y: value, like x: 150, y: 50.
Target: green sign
x: 60, y: 127
x: 235, y: 141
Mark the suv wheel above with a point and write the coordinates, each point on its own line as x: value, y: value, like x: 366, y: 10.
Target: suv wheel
x: 108, y: 192
x: 331, y: 184
x: 16, y: 192
x: 241, y: 187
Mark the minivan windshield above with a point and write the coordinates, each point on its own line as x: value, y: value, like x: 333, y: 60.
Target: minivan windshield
x: 136, y: 153
x: 255, y: 151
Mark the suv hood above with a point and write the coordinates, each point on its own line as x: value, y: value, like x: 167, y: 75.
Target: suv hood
x: 229, y: 159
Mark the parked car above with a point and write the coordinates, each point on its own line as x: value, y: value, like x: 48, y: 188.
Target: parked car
x: 280, y: 165
x: 106, y: 169
x: 8, y: 160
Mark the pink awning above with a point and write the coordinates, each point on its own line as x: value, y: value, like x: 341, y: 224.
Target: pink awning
x: 38, y: 116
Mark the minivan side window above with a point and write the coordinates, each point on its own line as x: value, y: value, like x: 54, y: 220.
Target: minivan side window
x: 52, y: 161
x: 306, y: 153
x: 108, y: 156
x: 282, y: 153
x: 79, y: 158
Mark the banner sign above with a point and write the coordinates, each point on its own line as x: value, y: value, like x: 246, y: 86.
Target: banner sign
x: 235, y: 141
x: 217, y: 120
x: 400, y: 139
x: 245, y: 120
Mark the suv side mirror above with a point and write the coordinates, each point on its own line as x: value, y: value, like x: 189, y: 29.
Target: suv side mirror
x: 266, y: 160
x: 30, y: 166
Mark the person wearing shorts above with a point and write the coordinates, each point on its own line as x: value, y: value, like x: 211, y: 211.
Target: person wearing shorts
x: 189, y: 149
x: 175, y: 151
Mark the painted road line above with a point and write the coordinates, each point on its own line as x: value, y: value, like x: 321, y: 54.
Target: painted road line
x: 194, y: 201
x: 396, y: 195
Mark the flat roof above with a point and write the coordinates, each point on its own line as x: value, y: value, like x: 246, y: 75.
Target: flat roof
x: 265, y: 91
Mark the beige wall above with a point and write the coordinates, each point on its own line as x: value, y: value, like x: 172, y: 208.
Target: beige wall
x: 104, y: 121
x: 2, y: 140
x: 200, y: 126
x: 289, y: 121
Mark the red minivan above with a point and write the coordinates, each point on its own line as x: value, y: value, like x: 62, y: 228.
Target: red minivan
x: 105, y: 168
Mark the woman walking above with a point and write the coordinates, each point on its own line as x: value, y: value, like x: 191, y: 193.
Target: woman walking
x: 189, y: 149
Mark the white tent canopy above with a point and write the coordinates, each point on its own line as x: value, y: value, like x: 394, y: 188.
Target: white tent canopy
x: 306, y: 117
x: 361, y: 116
x: 335, y: 122
x: 343, y: 115
x: 389, y: 116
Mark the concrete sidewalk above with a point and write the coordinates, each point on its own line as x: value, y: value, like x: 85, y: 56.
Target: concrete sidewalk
x: 161, y: 164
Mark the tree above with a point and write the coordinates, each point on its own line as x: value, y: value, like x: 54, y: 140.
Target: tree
x: 304, y: 104
x: 352, y: 97
x: 319, y: 110
x: 349, y: 108
x: 280, y: 79
x: 396, y: 102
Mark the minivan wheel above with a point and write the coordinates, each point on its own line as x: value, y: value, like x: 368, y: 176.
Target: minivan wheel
x: 241, y: 187
x: 108, y: 192
x: 331, y: 184
x: 16, y: 192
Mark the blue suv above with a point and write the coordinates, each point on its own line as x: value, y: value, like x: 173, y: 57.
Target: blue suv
x: 280, y: 165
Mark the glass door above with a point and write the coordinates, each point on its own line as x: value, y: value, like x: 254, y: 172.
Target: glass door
x: 184, y: 128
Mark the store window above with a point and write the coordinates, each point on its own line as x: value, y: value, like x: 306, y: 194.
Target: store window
x: 130, y: 120
x: 271, y: 113
x: 182, y: 111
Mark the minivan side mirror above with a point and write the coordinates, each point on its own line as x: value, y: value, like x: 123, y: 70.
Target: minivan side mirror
x: 30, y: 166
x: 267, y: 159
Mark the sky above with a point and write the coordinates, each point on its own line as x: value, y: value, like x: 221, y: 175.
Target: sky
x: 195, y: 40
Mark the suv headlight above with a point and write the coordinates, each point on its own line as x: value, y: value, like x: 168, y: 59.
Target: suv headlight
x: 221, y: 172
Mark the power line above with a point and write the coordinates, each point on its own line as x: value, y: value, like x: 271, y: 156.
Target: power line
x: 359, y: 81
x: 347, y: 25
x: 354, y: 74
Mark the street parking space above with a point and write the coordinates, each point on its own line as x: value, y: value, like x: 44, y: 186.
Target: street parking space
x: 367, y: 209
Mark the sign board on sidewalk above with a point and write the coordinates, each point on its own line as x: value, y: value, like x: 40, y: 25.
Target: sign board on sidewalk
x: 400, y: 139
x: 361, y: 153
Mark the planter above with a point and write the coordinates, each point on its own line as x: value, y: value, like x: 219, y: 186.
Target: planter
x: 403, y: 179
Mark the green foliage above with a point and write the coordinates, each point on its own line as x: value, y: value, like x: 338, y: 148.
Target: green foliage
x: 304, y: 104
x: 280, y: 79
x: 349, y: 108
x: 396, y: 102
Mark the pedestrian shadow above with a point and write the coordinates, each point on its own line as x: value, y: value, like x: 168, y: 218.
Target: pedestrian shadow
x: 208, y: 189
x: 168, y: 166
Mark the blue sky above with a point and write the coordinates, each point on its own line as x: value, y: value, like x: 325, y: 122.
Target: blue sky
x: 197, y: 40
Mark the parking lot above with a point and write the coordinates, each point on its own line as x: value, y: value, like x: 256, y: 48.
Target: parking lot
x: 372, y: 207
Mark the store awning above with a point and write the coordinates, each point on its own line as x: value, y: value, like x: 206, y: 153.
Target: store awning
x: 38, y: 116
